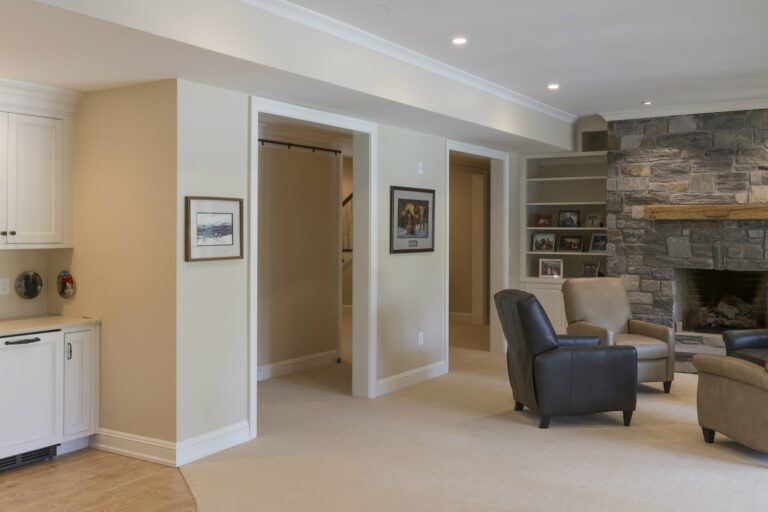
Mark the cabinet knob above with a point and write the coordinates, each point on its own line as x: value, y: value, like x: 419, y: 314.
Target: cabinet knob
x: 12, y: 233
x: 4, y: 233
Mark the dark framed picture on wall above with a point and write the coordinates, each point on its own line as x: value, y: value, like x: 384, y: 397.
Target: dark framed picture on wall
x: 412, y: 220
x: 213, y: 228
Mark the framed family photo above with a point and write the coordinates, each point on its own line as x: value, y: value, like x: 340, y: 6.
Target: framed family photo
x: 569, y: 219
x: 570, y: 243
x: 213, y: 228
x: 550, y: 268
x: 598, y: 243
x: 543, y: 242
x: 412, y: 214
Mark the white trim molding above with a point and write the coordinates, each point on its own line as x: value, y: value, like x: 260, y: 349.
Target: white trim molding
x: 29, y: 98
x: 355, y: 35
x: 138, y: 447
x: 411, y: 377
x: 212, y: 442
x: 267, y: 371
x: 703, y: 108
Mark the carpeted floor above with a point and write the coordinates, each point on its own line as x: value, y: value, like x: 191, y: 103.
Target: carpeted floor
x: 454, y: 444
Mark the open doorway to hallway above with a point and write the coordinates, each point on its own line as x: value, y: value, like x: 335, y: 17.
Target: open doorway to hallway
x: 305, y: 243
x: 469, y: 251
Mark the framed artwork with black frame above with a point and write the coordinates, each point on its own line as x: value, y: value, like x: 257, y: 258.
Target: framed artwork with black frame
x: 411, y: 220
x: 213, y: 228
x: 569, y: 219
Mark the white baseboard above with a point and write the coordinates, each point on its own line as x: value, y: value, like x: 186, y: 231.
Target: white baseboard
x: 460, y: 318
x: 211, y: 442
x: 268, y: 371
x: 138, y: 447
x: 73, y: 445
x: 411, y: 377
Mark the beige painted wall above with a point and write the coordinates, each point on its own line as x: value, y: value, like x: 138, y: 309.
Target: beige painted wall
x: 411, y: 287
x: 13, y: 263
x: 125, y: 257
x: 299, y: 244
x: 212, y: 300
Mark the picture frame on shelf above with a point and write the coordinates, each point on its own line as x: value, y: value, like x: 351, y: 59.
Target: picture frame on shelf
x: 542, y: 220
x: 213, y: 228
x: 590, y: 269
x: 569, y: 219
x: 412, y: 220
x: 598, y: 242
x: 551, y: 268
x: 569, y: 243
x: 541, y: 242
x: 593, y: 220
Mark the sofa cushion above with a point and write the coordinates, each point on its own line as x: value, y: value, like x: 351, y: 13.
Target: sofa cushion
x: 647, y: 348
x: 753, y: 355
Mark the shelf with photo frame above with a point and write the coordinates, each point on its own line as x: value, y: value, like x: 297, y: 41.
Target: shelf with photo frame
x: 565, y: 199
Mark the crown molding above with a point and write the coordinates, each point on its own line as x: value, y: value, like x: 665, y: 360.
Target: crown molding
x: 702, y: 108
x: 35, y: 98
x: 355, y: 35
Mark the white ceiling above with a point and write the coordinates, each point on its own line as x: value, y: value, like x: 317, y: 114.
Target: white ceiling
x: 606, y: 55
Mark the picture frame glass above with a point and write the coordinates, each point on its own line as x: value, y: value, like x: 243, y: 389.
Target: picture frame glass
x: 543, y: 242
x: 550, y: 268
x: 213, y: 228
x: 412, y: 226
x: 570, y: 243
x: 598, y: 243
x: 569, y: 219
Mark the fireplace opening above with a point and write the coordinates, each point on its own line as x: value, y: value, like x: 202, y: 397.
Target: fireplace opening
x: 719, y: 300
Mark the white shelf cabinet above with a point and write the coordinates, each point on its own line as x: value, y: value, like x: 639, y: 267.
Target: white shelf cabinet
x: 80, y: 368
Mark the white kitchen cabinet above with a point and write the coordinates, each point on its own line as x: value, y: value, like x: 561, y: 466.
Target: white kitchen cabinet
x: 550, y: 295
x: 31, y: 392
x: 79, y: 373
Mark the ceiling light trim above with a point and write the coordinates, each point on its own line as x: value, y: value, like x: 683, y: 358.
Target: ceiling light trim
x: 702, y: 108
x: 352, y: 34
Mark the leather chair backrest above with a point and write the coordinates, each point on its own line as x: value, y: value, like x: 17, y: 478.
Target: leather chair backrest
x: 600, y: 301
x: 529, y: 333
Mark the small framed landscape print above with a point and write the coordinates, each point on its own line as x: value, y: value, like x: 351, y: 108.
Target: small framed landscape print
x: 213, y: 228
x: 543, y: 242
x: 570, y: 243
x: 542, y: 220
x: 598, y: 242
x: 590, y: 268
x: 412, y: 214
x: 550, y: 268
x: 594, y: 220
x: 569, y: 219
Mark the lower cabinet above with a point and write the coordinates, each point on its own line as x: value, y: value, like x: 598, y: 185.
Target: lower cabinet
x: 78, y: 384
x: 550, y: 295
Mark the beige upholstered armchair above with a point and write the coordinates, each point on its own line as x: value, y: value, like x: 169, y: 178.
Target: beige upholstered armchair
x: 599, y: 306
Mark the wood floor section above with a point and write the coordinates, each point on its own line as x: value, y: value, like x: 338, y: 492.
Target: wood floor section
x: 93, y: 480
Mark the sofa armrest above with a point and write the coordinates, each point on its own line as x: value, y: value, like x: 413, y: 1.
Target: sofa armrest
x: 656, y: 331
x: 732, y: 368
x: 745, y: 338
x: 587, y: 329
x: 565, y: 340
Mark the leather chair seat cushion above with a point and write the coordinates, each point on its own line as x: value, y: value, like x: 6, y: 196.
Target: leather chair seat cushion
x: 647, y: 348
x: 753, y: 355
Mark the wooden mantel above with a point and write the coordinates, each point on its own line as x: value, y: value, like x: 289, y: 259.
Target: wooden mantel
x: 706, y: 212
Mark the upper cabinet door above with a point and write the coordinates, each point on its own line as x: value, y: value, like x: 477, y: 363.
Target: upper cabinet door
x: 3, y: 175
x: 35, y: 180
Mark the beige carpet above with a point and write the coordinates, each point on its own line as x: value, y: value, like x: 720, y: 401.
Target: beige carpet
x: 454, y: 444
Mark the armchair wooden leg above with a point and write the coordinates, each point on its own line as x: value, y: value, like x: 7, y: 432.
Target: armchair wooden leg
x: 544, y: 422
x: 627, y: 418
x: 709, y: 435
x: 519, y: 406
x: 667, y: 386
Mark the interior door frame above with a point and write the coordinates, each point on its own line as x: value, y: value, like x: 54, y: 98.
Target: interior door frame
x: 499, y: 219
x: 364, y: 294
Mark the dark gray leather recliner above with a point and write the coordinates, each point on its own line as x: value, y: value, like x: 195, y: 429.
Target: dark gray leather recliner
x: 747, y: 344
x: 562, y: 375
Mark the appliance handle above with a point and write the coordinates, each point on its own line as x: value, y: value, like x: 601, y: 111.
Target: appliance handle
x: 26, y: 341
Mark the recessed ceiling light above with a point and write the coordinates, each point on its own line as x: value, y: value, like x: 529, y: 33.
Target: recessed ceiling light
x: 459, y: 41
x: 646, y: 103
x: 553, y: 87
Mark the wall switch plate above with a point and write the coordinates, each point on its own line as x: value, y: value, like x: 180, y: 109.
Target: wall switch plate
x: 5, y: 286
x: 421, y: 338
x: 420, y: 168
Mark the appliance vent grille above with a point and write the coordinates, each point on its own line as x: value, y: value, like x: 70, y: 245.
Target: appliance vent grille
x: 29, y: 457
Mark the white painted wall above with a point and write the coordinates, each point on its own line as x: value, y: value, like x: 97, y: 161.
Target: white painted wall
x: 212, y: 296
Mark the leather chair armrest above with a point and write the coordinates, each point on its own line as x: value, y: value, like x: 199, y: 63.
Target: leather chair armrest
x: 587, y: 329
x: 565, y: 340
x: 656, y: 331
x: 732, y: 368
x: 746, y: 338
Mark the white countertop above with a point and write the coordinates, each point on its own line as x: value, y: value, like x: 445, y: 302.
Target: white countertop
x: 39, y: 323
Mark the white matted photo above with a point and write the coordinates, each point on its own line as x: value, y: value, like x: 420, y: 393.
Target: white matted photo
x: 214, y: 228
x: 550, y: 268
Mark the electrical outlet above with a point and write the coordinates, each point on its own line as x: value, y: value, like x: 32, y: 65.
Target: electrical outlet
x: 5, y: 286
x: 421, y: 338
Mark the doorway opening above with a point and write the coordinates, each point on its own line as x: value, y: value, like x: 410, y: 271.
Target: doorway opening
x: 469, y: 251
x: 305, y: 212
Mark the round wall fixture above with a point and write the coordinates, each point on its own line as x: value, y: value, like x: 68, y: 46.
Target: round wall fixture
x: 65, y: 284
x: 29, y: 285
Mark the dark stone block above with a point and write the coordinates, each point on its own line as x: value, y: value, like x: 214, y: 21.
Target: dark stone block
x: 638, y: 199
x: 670, y: 171
x: 745, y: 251
x: 647, y: 143
x: 757, y: 118
x: 760, y: 137
x: 709, y: 237
x: 711, y: 166
x: 733, y: 182
x: 655, y: 126
x: 733, y: 139
x: 704, y: 198
x: 679, y: 246
x: 649, y: 155
x: 754, y: 155
x: 700, y: 224
x: 616, y: 265
x: 625, y: 127
x: 697, y: 140
x: 721, y: 120
x: 664, y: 274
